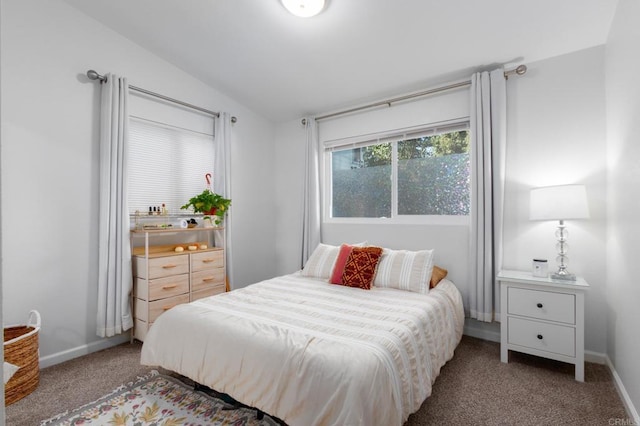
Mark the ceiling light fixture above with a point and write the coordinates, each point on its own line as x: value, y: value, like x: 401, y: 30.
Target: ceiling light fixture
x: 304, y: 8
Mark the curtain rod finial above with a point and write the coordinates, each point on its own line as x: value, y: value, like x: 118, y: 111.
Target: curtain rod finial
x: 93, y: 75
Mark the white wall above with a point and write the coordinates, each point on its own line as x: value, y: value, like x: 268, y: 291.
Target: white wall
x: 623, y: 196
x: 556, y: 135
x: 50, y: 167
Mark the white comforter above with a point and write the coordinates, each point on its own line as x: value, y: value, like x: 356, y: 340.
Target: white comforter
x: 313, y: 353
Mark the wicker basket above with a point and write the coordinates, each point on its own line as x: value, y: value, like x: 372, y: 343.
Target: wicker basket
x: 21, y: 349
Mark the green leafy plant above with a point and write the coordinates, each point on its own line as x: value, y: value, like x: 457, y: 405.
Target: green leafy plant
x: 210, y: 204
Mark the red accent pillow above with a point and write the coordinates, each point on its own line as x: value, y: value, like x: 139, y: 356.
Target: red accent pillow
x: 338, y: 268
x: 360, y: 269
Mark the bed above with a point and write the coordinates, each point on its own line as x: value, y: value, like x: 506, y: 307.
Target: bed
x: 312, y: 353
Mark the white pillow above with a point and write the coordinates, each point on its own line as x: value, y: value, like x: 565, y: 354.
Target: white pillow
x: 405, y: 270
x: 320, y: 263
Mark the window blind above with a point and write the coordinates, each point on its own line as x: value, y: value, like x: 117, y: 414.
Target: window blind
x: 167, y: 165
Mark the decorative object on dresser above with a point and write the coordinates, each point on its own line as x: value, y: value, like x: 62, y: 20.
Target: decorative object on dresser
x: 171, y: 274
x: 209, y: 203
x: 560, y: 203
x: 542, y: 317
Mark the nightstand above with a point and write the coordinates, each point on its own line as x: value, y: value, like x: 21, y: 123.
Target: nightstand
x: 542, y: 317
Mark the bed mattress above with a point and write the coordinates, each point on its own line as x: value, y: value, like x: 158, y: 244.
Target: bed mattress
x: 313, y: 353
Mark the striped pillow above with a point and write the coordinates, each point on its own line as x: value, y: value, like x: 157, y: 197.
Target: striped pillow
x: 321, y: 261
x: 405, y: 270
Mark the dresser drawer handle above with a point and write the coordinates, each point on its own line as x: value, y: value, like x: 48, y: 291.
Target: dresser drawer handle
x: 208, y: 260
x: 208, y: 279
x: 539, y: 305
x: 169, y: 266
x: 166, y: 308
x: 539, y: 336
x: 169, y: 287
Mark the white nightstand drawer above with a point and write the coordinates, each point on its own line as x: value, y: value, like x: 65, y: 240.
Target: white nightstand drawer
x: 550, y: 306
x: 542, y: 336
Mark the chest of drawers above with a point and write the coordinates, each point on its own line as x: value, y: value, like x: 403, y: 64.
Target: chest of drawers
x: 164, y: 278
x: 542, y: 317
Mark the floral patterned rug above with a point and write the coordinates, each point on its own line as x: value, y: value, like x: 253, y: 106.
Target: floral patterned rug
x: 156, y: 400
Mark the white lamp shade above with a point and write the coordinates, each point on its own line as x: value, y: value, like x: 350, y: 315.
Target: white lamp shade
x: 304, y: 8
x: 559, y: 203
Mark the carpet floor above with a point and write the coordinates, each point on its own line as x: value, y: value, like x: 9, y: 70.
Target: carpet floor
x: 474, y: 388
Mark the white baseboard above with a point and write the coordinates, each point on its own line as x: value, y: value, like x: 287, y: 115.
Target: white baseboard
x: 57, y: 358
x: 595, y: 357
x: 632, y: 412
x: 483, y: 333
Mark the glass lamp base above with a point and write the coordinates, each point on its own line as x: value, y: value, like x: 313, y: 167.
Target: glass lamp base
x: 563, y: 277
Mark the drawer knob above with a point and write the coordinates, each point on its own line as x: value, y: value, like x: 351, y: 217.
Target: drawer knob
x: 207, y: 260
x: 540, y: 336
x: 539, y: 305
x: 169, y: 266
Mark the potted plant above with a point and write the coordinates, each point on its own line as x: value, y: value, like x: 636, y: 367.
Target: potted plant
x: 210, y: 204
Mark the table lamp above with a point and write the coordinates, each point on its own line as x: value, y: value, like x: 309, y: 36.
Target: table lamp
x: 562, y: 202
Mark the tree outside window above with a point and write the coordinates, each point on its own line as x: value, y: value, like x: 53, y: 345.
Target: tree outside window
x: 432, y: 174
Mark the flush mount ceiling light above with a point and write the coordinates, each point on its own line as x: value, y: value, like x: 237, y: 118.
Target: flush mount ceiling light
x: 304, y: 8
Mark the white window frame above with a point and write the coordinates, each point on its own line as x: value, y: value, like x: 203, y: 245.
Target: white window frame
x: 372, y: 139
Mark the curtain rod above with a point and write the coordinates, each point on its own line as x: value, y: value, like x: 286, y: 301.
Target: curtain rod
x: 520, y: 70
x: 93, y: 75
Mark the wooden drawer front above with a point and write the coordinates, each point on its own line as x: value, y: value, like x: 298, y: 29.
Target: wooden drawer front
x: 542, y: 336
x: 207, y: 260
x: 200, y: 294
x: 205, y: 279
x: 171, y: 265
x: 161, y: 288
x: 159, y: 306
x: 550, y: 306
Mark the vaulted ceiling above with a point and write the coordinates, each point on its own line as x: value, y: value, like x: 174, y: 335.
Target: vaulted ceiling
x: 355, y: 51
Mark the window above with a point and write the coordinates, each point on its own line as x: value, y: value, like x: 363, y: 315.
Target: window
x: 167, y: 165
x: 412, y: 174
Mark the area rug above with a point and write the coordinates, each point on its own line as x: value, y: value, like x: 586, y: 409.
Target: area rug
x: 155, y: 400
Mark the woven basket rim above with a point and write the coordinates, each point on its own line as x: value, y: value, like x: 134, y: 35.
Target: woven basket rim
x: 22, y: 336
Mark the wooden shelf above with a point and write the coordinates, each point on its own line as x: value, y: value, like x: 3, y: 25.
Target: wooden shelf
x: 169, y: 249
x: 171, y: 230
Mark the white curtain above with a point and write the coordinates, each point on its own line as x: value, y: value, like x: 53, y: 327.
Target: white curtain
x: 222, y: 179
x: 311, y: 197
x: 114, y: 250
x: 488, y: 148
